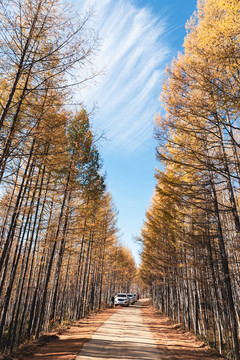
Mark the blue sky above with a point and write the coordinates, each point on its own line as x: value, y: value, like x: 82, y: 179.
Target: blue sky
x: 137, y: 40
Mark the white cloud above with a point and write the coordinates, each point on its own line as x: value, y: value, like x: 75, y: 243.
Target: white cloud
x: 133, y: 57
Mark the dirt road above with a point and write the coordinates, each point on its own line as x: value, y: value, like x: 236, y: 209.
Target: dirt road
x: 122, y: 336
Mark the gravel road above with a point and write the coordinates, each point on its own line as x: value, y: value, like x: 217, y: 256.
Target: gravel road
x: 122, y: 336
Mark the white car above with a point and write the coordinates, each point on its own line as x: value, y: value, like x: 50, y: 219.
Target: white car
x: 122, y: 299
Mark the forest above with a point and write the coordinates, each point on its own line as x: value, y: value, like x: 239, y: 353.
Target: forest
x: 191, y: 232
x: 60, y: 247
x: 59, y: 242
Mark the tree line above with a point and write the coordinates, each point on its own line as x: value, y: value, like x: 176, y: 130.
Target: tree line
x: 59, y: 247
x: 191, y: 233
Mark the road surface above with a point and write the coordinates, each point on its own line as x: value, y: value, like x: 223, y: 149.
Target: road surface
x: 122, y: 336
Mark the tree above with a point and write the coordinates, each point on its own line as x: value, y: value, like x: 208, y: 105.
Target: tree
x: 194, y: 219
x: 43, y: 48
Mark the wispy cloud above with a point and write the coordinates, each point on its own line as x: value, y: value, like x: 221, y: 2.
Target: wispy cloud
x: 133, y: 58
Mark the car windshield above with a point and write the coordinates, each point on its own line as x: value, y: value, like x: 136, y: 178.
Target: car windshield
x: 130, y: 295
x: 122, y: 295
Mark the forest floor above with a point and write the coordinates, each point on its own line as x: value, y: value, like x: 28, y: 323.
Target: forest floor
x: 173, y: 342
x: 65, y: 344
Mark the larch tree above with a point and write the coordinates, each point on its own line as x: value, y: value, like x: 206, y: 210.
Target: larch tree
x: 43, y: 48
x: 59, y: 242
x: 191, y: 233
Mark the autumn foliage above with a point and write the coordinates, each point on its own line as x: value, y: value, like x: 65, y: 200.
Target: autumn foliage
x: 59, y: 246
x: 191, y: 235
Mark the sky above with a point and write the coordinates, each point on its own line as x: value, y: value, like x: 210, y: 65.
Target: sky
x: 138, y: 39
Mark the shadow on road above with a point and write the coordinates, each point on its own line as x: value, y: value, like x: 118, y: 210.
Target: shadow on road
x: 104, y: 349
